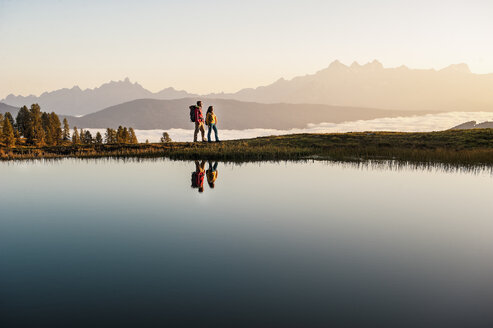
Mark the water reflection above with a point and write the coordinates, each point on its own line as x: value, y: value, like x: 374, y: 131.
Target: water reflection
x: 301, y: 244
x: 212, y: 174
x: 198, y: 176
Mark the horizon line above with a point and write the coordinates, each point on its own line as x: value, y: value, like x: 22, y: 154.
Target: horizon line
x: 336, y: 62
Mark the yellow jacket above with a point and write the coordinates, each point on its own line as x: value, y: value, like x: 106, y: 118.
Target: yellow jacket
x: 211, y: 119
x: 211, y: 176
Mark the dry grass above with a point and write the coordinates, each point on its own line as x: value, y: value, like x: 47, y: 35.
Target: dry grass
x: 455, y: 147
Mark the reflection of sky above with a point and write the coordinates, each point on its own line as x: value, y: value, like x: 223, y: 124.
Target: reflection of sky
x: 424, y: 123
x: 276, y: 241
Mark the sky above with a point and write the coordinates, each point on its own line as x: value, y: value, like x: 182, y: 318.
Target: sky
x: 227, y: 45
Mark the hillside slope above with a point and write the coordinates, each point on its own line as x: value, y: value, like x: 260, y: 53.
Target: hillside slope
x: 232, y: 114
x: 7, y: 108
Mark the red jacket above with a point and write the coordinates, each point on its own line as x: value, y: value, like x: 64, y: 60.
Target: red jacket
x: 200, y: 178
x: 199, y: 117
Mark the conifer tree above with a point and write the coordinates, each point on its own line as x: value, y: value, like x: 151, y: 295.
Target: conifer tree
x: 110, y: 136
x: 75, y: 136
x: 23, y: 121
x: 86, y: 137
x: 119, y: 135
x: 45, y: 121
x: 99, y: 138
x: 56, y: 128
x: 125, y: 135
x: 1, y: 121
x: 66, y: 130
x: 35, y: 132
x: 10, y: 118
x: 132, y: 136
x: 8, y: 136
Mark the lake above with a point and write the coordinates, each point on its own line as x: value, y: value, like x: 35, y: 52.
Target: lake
x: 297, y: 244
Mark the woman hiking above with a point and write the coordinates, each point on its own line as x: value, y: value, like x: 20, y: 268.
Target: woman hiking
x: 211, y: 121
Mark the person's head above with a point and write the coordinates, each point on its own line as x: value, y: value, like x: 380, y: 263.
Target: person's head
x: 199, y: 103
x: 201, y: 189
x: 211, y: 184
x: 210, y: 109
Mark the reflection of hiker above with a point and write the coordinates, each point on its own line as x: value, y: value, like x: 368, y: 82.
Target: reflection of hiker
x: 211, y: 121
x: 212, y: 174
x: 197, y: 117
x: 198, y: 176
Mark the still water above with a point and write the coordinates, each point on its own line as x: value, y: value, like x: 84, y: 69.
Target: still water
x: 126, y: 243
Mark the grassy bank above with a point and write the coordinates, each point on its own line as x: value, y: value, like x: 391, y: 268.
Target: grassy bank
x: 454, y: 147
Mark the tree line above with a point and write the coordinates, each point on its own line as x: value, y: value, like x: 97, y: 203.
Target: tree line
x: 37, y: 128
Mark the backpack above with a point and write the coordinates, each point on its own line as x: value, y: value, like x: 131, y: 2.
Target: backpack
x: 194, y: 180
x: 192, y: 113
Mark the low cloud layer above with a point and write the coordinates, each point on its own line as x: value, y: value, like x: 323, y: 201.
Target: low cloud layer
x: 423, y: 123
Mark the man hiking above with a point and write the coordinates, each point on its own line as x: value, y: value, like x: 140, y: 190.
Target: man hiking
x: 197, y: 117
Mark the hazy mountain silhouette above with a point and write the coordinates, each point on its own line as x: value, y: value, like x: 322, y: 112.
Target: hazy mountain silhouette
x: 75, y: 101
x: 232, y: 114
x: 473, y: 125
x: 453, y: 88
x: 371, y: 85
x: 7, y: 108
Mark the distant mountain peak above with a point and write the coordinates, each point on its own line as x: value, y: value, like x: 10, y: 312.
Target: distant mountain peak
x: 374, y: 65
x: 74, y: 101
x: 355, y: 64
x: 336, y: 64
x: 459, y: 68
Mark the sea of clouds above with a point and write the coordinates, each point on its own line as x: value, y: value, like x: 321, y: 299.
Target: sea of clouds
x: 422, y: 123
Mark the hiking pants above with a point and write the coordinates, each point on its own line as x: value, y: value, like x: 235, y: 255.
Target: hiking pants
x: 211, y: 127
x: 199, y: 126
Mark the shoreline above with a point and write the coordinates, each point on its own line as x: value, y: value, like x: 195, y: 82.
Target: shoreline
x: 470, y: 147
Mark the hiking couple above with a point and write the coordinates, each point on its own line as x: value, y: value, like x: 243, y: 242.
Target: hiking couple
x: 197, y: 117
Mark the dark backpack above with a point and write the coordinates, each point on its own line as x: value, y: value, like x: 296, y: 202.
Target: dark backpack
x: 192, y: 113
x: 194, y: 180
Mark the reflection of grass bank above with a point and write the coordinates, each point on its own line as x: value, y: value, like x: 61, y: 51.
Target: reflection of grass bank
x: 458, y: 147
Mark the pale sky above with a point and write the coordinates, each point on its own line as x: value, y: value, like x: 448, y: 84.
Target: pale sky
x: 226, y: 45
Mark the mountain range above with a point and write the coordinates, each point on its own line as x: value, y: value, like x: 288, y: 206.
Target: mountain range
x: 453, y: 88
x: 76, y: 101
x: 149, y: 114
x: 371, y: 85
